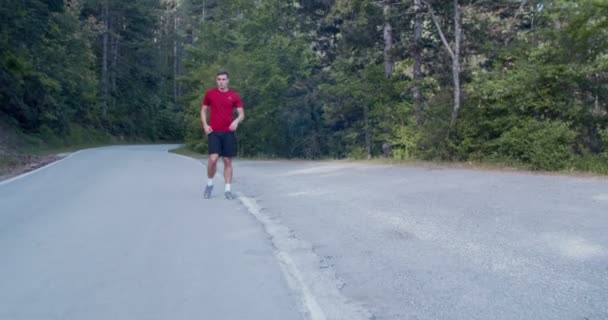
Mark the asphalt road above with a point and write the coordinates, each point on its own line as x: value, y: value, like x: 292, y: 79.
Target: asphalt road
x: 123, y: 233
x: 424, y: 243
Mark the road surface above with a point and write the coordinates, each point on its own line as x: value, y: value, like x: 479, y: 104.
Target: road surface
x: 123, y: 233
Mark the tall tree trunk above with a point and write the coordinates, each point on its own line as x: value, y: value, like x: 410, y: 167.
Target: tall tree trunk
x: 388, y: 42
x: 315, y: 138
x: 454, y: 54
x: 114, y: 67
x: 204, y: 12
x: 456, y: 63
x: 105, y: 16
x: 198, y: 21
x: 417, y: 95
x: 175, y: 58
x: 368, y: 144
x: 597, y: 110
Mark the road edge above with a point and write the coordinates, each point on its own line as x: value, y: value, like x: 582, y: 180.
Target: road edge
x: 318, y: 288
x: 48, y: 165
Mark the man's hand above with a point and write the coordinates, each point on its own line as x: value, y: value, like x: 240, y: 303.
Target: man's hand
x: 207, y: 129
x: 234, y: 125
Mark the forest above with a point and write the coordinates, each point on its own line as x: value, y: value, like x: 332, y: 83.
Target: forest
x: 510, y: 82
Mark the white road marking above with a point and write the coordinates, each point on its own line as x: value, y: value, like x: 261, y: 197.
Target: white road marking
x: 317, y: 288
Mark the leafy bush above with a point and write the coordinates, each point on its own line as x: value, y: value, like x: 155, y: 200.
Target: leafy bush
x: 543, y: 145
x: 169, y: 126
x: 405, y: 142
x: 356, y: 152
x: 604, y: 137
x: 49, y: 136
x: 592, y: 163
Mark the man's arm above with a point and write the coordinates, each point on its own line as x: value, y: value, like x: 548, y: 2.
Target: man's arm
x: 235, y: 124
x: 206, y: 126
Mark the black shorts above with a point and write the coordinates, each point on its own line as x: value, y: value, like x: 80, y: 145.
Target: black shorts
x: 222, y: 143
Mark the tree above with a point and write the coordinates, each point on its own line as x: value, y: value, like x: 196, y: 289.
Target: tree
x: 454, y: 52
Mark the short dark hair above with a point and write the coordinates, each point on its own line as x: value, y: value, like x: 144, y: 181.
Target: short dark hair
x: 222, y: 72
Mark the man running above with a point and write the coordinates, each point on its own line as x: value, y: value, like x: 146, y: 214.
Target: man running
x: 221, y: 129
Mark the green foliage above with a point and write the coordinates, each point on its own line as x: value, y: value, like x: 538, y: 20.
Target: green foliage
x: 355, y: 152
x: 604, y: 137
x: 47, y: 75
x: 545, y: 145
x: 267, y: 62
x: 539, y: 103
x: 49, y: 71
x: 359, y: 102
x: 311, y: 73
x: 591, y: 163
x: 405, y: 142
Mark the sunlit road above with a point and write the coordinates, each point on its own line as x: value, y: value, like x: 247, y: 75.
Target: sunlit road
x: 123, y: 233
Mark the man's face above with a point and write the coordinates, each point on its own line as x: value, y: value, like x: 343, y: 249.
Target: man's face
x: 222, y: 81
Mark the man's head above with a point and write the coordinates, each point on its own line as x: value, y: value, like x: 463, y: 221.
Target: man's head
x: 222, y: 78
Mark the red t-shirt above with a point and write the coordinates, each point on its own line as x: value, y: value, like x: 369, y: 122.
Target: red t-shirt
x: 221, y: 108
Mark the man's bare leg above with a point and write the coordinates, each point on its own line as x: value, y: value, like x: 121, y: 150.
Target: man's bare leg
x: 228, y: 177
x: 227, y: 170
x: 211, y: 169
x: 212, y: 165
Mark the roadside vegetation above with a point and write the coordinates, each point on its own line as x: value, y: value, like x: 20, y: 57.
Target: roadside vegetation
x: 507, y: 83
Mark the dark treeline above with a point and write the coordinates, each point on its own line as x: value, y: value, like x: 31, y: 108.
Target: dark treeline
x: 79, y: 71
x: 508, y: 81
